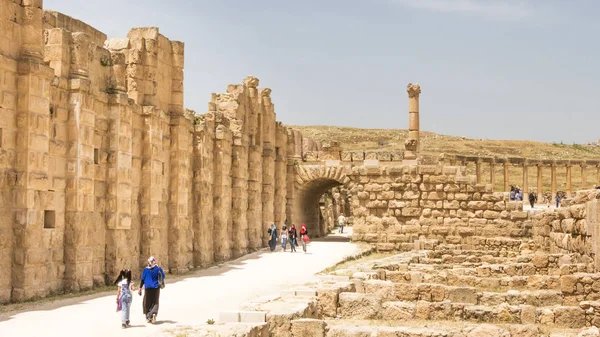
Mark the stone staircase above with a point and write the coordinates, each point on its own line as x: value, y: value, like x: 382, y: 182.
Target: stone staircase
x: 441, y: 293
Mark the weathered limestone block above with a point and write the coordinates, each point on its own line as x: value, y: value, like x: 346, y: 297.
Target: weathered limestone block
x: 397, y: 311
x: 327, y: 300
x: 572, y: 317
x: 308, y: 327
x: 359, y: 306
x: 383, y: 289
x: 462, y: 295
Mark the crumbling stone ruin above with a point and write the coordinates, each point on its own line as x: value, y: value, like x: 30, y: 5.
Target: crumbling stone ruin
x: 102, y: 166
x: 543, y: 282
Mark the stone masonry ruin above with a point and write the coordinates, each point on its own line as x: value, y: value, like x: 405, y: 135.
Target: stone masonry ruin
x: 103, y: 166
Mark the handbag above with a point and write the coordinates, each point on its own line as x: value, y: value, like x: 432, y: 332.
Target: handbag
x: 305, y: 238
x: 161, y: 280
x: 119, y: 306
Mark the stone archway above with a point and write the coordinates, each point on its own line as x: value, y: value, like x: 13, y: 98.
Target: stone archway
x: 312, y: 181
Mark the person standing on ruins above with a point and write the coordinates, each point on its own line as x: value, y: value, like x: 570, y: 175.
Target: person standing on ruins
x: 303, y: 236
x: 341, y: 222
x: 150, y: 283
x: 292, y: 238
x: 557, y: 198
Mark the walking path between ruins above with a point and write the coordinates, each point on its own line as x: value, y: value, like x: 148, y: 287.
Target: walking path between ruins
x: 188, y: 301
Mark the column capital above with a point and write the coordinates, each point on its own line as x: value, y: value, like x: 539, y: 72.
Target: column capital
x: 413, y: 90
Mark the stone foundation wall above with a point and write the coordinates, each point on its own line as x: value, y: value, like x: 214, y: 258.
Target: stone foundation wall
x: 394, y: 206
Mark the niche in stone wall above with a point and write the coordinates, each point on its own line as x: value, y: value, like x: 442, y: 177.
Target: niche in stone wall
x: 96, y: 156
x: 1, y: 138
x: 49, y: 219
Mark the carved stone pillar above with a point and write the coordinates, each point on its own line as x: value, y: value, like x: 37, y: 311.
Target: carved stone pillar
x: 569, y: 186
x: 506, y: 185
x: 478, y: 170
x: 493, y: 175
x: 411, y: 144
x: 525, y: 181
x: 553, y: 178
x: 584, y: 176
x: 539, y: 180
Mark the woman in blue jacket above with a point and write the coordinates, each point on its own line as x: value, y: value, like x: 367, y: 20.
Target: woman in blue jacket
x: 150, y: 283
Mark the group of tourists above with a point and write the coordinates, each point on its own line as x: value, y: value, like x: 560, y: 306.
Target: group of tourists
x: 153, y: 276
x: 151, y: 282
x: 516, y: 193
x: 288, y: 235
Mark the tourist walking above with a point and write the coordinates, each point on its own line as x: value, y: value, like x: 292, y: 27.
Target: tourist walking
x: 532, y: 199
x: 303, y: 236
x: 272, y: 236
x: 284, y: 237
x: 124, y: 298
x: 557, y: 198
x: 292, y: 238
x: 341, y: 222
x: 152, y: 277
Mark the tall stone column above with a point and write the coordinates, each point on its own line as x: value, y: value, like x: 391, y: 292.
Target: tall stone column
x: 584, y: 176
x: 203, y: 189
x: 493, y: 174
x: 180, y: 230
x: 239, y: 195
x: 569, y: 186
x: 506, y: 182
x: 525, y: 181
x: 478, y: 170
x: 29, y: 271
x: 222, y: 230
x: 280, y: 202
x: 255, y: 168
x: 539, y: 181
x: 553, y: 178
x: 268, y: 161
x: 154, y: 229
x: 411, y: 144
x: 118, y: 253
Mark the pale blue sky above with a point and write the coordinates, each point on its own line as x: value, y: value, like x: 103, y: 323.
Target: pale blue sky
x: 496, y: 69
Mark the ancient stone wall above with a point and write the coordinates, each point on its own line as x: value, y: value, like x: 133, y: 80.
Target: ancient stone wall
x: 102, y: 166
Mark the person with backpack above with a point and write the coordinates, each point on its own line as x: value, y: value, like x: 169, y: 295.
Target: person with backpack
x: 124, y: 298
x: 292, y: 238
x: 151, y: 281
x: 303, y: 236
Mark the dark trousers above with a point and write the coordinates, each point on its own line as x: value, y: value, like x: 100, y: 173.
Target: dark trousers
x: 151, y: 300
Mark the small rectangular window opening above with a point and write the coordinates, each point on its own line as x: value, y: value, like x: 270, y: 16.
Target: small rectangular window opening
x: 49, y: 219
x: 163, y: 169
x: 1, y: 138
x: 96, y: 156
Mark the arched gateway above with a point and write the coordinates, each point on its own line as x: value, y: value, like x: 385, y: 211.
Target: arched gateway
x: 312, y: 181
